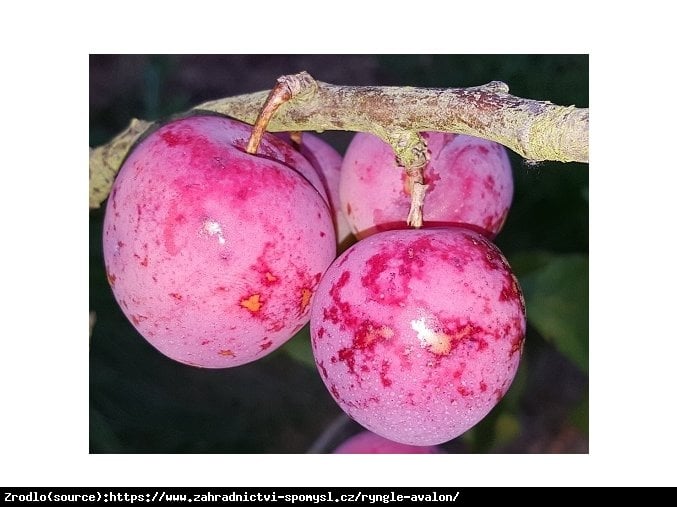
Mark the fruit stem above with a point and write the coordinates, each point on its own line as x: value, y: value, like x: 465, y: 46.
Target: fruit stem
x: 286, y: 88
x: 411, y: 152
x: 418, y: 189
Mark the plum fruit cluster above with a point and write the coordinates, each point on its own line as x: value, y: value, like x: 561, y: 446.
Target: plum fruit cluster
x: 218, y: 256
x: 417, y: 334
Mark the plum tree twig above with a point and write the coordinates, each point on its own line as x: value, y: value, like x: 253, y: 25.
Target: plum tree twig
x: 536, y: 130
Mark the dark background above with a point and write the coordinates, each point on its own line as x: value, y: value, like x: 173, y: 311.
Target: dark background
x: 142, y: 402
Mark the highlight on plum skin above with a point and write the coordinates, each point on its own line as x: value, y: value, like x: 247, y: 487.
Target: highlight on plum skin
x: 201, y: 263
x: 417, y: 334
x: 371, y: 443
x: 469, y: 183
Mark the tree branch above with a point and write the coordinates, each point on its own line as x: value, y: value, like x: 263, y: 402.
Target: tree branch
x: 536, y: 130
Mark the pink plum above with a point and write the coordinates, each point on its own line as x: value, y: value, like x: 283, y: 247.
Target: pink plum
x: 371, y: 443
x: 212, y: 253
x: 327, y: 162
x: 417, y: 334
x: 469, y: 183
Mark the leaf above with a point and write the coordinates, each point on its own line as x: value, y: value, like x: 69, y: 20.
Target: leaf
x: 299, y: 349
x: 525, y: 263
x: 580, y: 415
x: 556, y: 296
x: 506, y: 429
x: 105, y: 161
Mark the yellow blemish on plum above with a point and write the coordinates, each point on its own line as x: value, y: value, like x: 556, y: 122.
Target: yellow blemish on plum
x: 252, y: 303
x: 270, y: 277
x: 374, y: 334
x: 385, y: 332
x: 305, y: 298
x: 227, y: 353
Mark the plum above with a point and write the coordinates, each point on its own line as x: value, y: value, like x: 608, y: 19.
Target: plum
x: 371, y: 443
x: 469, y: 183
x: 417, y: 334
x: 212, y: 253
x: 327, y: 161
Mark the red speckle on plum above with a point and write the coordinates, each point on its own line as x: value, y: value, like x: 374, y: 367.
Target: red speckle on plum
x: 349, y: 209
x: 510, y: 292
x: 205, y: 342
x: 137, y: 319
x: 389, y: 272
x: 176, y: 296
x: 173, y: 222
x: 111, y: 277
x: 322, y: 234
x: 170, y: 137
x: 385, y: 367
x: 347, y: 355
x: 517, y: 344
x: 323, y: 370
x: 463, y: 391
x: 368, y: 334
x: 483, y: 386
x: 320, y: 332
x: 266, y: 345
x: 430, y: 178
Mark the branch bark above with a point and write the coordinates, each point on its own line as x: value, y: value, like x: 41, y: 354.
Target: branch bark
x: 536, y: 130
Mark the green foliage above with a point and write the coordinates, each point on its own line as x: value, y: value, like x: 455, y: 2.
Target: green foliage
x: 299, y: 349
x: 556, y: 293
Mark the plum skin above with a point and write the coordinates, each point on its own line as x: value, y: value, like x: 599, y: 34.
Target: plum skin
x: 417, y: 334
x: 371, y: 443
x: 327, y: 162
x: 214, y: 254
x: 469, y: 183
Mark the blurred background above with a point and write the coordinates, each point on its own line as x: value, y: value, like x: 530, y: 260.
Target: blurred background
x: 142, y: 402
